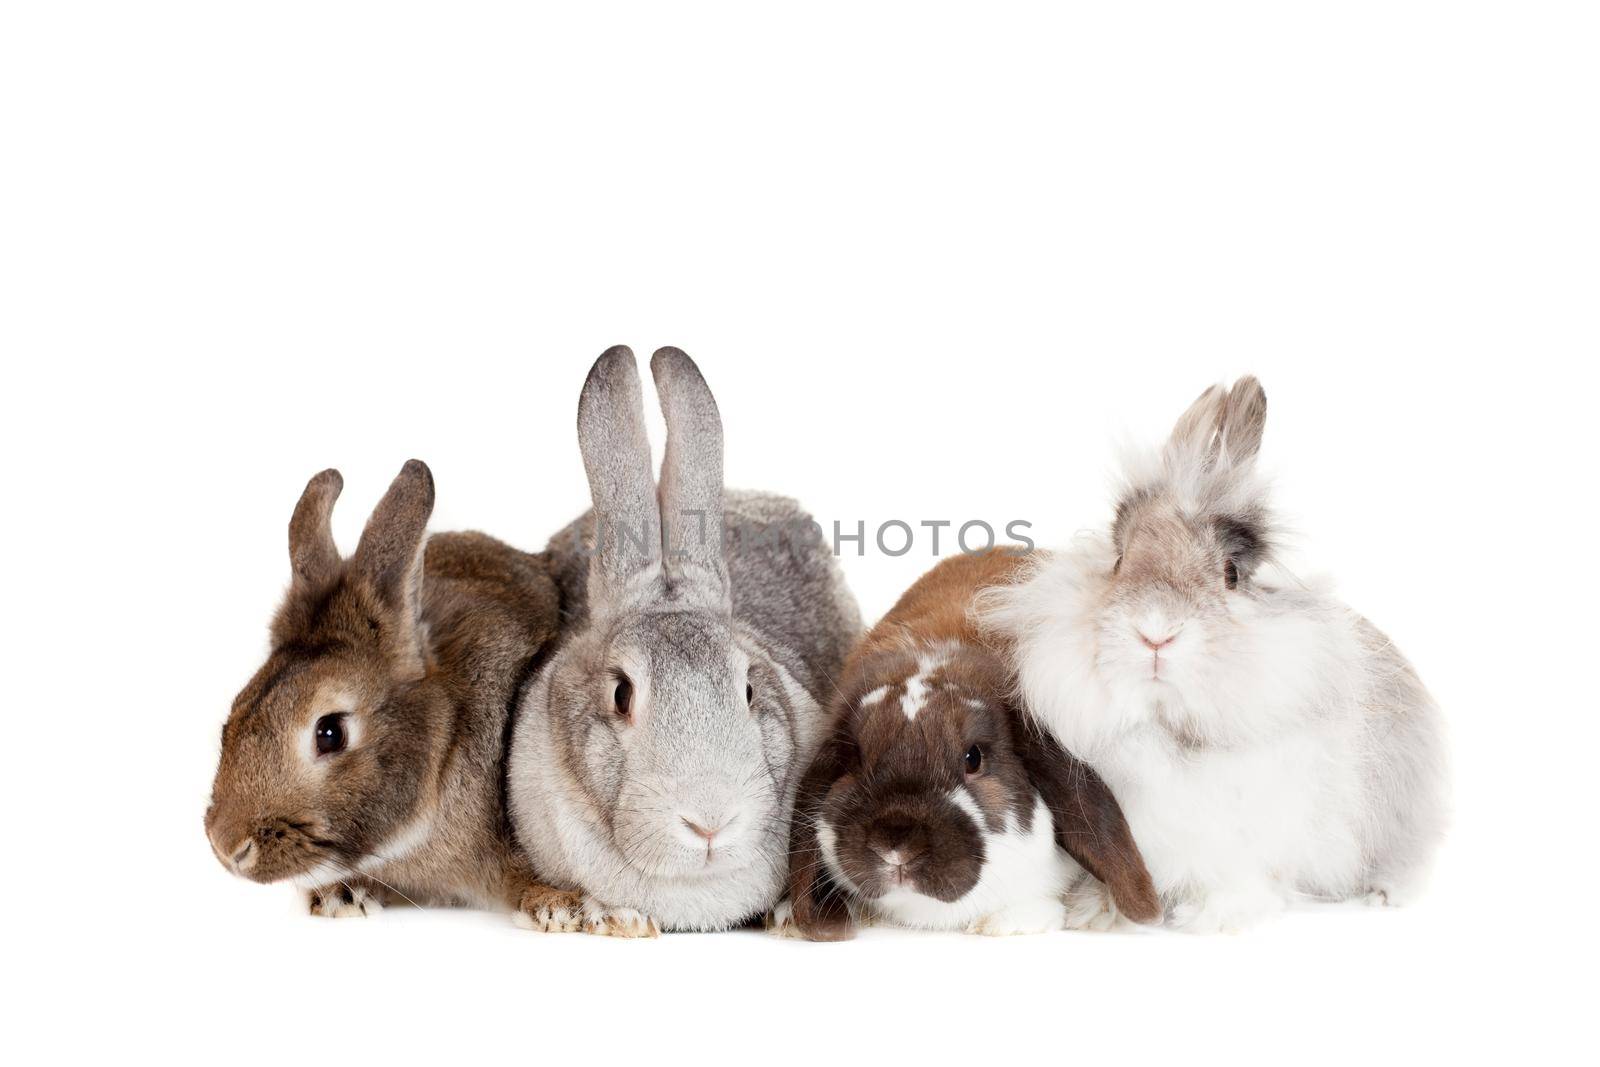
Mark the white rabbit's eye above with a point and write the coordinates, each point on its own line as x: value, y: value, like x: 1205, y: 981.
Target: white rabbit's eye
x: 331, y: 735
x: 622, y: 697
x: 749, y: 693
x: 973, y: 761
x: 1230, y: 574
x: 1117, y: 566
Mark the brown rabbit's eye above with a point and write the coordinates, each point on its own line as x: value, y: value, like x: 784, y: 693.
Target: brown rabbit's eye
x: 1230, y: 574
x: 622, y: 697
x: 331, y: 735
x: 973, y: 760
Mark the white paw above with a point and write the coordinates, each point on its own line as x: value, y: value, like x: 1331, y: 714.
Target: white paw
x: 1224, y: 912
x: 344, y: 902
x: 607, y: 921
x: 780, y: 921
x: 1090, y: 907
x: 1033, y: 917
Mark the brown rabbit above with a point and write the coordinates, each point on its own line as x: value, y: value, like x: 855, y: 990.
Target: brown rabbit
x: 367, y: 753
x: 937, y: 804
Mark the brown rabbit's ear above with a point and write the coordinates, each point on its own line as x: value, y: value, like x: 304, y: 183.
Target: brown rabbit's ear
x: 1089, y: 822
x: 819, y: 904
x: 313, y: 556
x: 390, y: 554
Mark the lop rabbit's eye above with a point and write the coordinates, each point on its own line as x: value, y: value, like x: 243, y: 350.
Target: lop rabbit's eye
x: 331, y: 734
x: 749, y: 693
x: 1230, y: 574
x: 973, y: 760
x: 622, y: 696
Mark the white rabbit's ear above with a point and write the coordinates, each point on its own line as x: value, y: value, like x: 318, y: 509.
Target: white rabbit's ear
x: 1194, y: 438
x: 1244, y: 419
x: 691, y: 482
x: 616, y: 456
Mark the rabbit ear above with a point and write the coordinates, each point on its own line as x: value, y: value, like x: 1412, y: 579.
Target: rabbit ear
x: 691, y: 480
x: 1244, y: 418
x: 313, y: 556
x: 819, y: 905
x: 1089, y: 823
x: 1195, y: 436
x: 616, y: 456
x: 389, y: 558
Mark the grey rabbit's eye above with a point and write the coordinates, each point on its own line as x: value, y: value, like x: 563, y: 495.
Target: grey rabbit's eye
x: 749, y: 693
x: 622, y: 697
x: 331, y: 734
x: 1230, y: 574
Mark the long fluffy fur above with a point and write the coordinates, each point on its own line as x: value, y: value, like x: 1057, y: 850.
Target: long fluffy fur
x: 1288, y: 747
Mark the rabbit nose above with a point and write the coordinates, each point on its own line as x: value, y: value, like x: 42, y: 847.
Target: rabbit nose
x: 244, y: 857
x: 708, y: 829
x: 1156, y: 644
x: 892, y: 842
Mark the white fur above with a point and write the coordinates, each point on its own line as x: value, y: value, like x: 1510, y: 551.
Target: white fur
x: 1274, y: 748
x: 1019, y: 889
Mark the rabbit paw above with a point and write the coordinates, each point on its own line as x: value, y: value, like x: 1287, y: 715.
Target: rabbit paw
x: 1225, y: 912
x: 607, y: 921
x: 345, y: 901
x: 1029, y: 917
x: 780, y: 921
x: 1090, y: 907
x: 549, y: 911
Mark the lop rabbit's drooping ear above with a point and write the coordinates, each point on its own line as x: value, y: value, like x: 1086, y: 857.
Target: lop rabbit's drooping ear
x: 691, y: 482
x: 626, y: 562
x: 1089, y: 822
x: 389, y: 559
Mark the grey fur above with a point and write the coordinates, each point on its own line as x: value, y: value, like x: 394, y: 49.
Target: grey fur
x: 597, y: 797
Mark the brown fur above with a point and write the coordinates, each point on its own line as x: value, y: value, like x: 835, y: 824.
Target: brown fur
x: 881, y: 773
x: 426, y: 643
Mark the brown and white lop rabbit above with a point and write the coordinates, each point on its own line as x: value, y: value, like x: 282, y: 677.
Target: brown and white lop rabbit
x: 937, y: 804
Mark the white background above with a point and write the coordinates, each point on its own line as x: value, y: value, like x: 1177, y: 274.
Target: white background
x: 933, y: 260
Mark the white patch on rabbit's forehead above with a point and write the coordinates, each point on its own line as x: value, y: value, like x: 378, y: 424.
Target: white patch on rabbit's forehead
x: 916, y: 695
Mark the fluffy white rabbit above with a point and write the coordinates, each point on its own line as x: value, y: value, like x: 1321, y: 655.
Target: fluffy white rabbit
x: 1262, y: 738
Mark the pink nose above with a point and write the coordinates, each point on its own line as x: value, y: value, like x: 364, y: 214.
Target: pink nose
x: 1157, y: 644
x: 701, y: 831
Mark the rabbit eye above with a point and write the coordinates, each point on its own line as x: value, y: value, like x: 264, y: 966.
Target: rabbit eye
x: 1230, y: 574
x: 973, y: 760
x: 622, y: 697
x: 1117, y: 566
x: 749, y: 693
x: 331, y: 735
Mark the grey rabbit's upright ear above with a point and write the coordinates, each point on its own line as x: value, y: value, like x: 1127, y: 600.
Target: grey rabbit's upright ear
x: 389, y: 560
x: 1089, y: 822
x: 616, y: 456
x: 691, y: 482
x: 1244, y: 419
x: 313, y: 556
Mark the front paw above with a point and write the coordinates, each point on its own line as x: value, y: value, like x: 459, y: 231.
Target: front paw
x: 549, y: 911
x: 607, y: 921
x: 344, y: 901
x: 1032, y: 917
